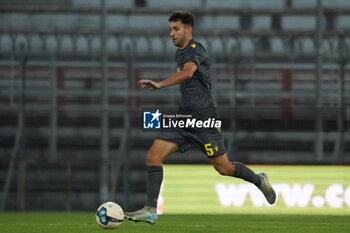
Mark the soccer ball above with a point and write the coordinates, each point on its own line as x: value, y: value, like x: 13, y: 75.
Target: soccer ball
x: 109, y: 215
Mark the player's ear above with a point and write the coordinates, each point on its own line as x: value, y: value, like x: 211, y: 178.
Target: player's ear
x: 190, y: 29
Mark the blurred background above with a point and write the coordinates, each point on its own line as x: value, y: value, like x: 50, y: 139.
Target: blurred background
x: 71, y: 113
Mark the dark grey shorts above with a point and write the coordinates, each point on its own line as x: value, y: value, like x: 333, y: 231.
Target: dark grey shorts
x: 209, y: 140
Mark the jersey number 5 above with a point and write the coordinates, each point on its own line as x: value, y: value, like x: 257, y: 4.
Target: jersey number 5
x: 209, y: 150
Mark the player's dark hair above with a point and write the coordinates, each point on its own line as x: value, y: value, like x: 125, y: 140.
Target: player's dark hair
x: 185, y: 17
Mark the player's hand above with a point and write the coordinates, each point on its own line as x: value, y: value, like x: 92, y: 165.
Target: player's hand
x: 149, y: 84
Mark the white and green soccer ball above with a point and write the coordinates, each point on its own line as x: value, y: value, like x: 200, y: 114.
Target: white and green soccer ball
x: 109, y: 215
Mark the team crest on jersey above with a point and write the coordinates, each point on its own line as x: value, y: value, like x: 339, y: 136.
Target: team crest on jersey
x: 193, y: 45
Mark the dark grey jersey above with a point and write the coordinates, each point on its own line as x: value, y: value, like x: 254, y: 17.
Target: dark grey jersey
x: 195, y: 92
x: 196, y: 101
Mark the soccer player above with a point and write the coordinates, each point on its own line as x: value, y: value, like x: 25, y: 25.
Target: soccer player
x: 194, y: 77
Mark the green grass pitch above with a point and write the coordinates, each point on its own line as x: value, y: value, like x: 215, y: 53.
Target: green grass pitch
x: 85, y: 222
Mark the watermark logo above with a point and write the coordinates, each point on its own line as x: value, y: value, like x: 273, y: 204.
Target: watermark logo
x: 151, y: 120
x: 157, y: 120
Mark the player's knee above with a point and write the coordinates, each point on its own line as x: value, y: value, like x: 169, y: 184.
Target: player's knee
x: 153, y: 159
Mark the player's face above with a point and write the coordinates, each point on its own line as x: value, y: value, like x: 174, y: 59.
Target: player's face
x: 179, y: 33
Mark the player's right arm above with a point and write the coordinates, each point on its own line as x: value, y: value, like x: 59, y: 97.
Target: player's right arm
x: 183, y: 75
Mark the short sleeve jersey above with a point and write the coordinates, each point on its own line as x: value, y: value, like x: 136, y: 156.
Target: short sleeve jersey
x: 195, y: 91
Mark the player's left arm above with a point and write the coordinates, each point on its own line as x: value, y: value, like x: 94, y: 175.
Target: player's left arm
x: 183, y: 75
